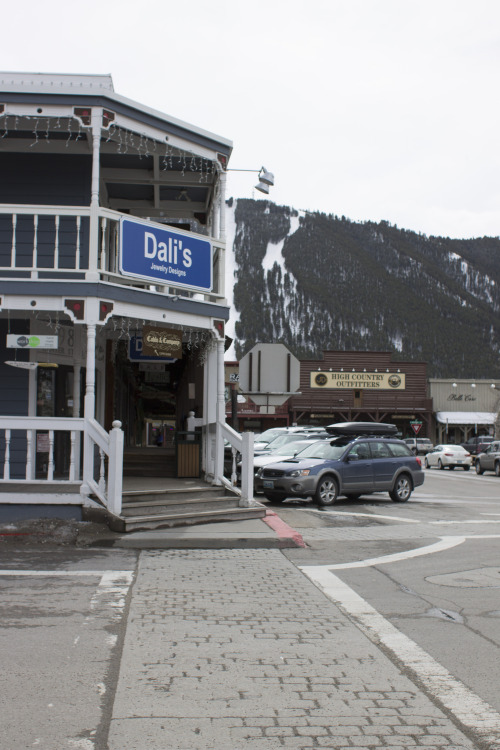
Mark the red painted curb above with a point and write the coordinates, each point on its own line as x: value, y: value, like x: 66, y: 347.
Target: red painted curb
x: 283, y: 530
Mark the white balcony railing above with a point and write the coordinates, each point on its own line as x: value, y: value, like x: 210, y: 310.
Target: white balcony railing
x: 42, y: 242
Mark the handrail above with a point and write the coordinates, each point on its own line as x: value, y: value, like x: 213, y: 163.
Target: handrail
x: 30, y: 209
x: 42, y: 423
x: 243, y: 444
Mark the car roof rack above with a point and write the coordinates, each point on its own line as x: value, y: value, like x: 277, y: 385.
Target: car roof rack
x: 365, y: 429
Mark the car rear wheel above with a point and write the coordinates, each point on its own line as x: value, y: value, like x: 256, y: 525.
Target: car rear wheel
x: 466, y: 468
x: 479, y: 470
x: 327, y: 491
x: 440, y: 464
x: 497, y: 469
x: 426, y: 463
x: 402, y: 489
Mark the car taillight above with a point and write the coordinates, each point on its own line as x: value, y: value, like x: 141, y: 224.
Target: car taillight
x: 467, y: 454
x: 419, y: 462
x: 448, y: 454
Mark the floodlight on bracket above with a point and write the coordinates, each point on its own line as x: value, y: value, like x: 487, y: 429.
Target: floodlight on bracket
x: 266, y: 178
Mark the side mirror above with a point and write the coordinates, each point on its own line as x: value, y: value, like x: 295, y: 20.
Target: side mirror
x: 352, y: 457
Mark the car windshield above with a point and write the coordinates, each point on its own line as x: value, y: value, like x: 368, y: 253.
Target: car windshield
x: 322, y: 449
x: 281, y: 440
x: 288, y: 449
x: 455, y: 448
x: 268, y: 435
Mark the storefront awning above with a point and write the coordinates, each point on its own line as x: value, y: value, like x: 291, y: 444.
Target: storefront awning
x: 466, y: 417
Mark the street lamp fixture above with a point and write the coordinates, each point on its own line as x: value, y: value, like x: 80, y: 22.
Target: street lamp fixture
x: 266, y: 178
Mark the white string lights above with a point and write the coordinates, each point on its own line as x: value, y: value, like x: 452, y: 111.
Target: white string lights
x: 126, y: 141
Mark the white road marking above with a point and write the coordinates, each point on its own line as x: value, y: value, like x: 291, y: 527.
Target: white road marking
x: 56, y: 573
x: 365, y: 515
x: 468, y: 708
x: 449, y: 523
x: 447, y: 542
x: 111, y: 590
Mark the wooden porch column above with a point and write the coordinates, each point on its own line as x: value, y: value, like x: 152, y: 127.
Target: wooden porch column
x: 222, y: 207
x: 89, y: 404
x: 92, y: 273
x: 220, y: 410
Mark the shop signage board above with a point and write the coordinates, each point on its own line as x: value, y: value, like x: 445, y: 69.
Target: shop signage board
x: 14, y: 341
x: 387, y: 381
x: 163, y: 255
x: 161, y: 342
x: 136, y: 353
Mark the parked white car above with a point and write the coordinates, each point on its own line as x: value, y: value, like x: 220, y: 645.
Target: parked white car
x: 448, y: 456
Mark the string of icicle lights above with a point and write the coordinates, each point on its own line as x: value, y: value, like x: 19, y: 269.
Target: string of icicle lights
x: 126, y: 141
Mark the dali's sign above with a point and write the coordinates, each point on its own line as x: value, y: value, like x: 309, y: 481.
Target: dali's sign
x: 382, y: 380
x: 171, y: 257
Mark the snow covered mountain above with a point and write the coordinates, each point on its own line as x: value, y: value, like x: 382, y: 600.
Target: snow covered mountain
x: 314, y: 282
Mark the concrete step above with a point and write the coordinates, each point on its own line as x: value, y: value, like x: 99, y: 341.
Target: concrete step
x: 157, y: 505
x: 166, y: 507
x: 165, y: 520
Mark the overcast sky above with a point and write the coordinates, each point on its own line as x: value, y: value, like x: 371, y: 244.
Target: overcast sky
x: 372, y: 109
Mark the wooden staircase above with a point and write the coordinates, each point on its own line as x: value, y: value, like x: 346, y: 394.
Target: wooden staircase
x: 154, y: 498
x: 149, y: 462
x: 150, y: 508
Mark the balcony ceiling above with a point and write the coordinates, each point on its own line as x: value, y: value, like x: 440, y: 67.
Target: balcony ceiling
x: 139, y: 175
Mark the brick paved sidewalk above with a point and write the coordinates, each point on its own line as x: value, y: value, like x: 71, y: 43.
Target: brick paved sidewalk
x: 237, y: 650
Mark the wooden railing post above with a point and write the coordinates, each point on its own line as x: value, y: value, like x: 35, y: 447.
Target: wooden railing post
x: 115, y: 468
x: 247, y: 470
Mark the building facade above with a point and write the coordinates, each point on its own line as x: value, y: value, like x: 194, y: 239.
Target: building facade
x: 465, y: 408
x: 352, y: 386
x: 112, y: 303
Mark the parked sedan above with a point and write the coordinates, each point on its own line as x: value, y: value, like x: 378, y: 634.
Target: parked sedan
x: 448, y: 457
x: 489, y: 459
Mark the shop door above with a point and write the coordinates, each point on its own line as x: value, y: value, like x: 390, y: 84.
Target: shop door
x: 54, y: 399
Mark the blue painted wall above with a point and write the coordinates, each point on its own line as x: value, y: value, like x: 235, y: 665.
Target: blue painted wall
x: 13, y: 396
x: 44, y: 179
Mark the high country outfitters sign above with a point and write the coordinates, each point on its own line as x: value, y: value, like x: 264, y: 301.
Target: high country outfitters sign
x: 152, y: 252
x: 388, y: 381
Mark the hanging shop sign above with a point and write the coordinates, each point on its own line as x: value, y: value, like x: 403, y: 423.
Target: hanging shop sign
x: 14, y: 341
x: 161, y: 342
x: 136, y: 352
x: 388, y: 381
x: 172, y: 257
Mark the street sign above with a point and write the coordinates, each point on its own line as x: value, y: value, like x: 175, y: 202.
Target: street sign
x: 269, y: 374
x: 166, y: 256
x: 14, y: 341
x: 416, y: 427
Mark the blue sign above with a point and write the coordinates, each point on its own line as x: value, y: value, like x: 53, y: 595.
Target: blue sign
x: 166, y: 256
x: 135, y: 352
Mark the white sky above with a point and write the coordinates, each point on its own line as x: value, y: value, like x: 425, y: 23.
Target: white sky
x: 372, y: 109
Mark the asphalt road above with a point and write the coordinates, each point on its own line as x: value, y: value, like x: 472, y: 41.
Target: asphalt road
x: 430, y: 568
x: 420, y: 579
